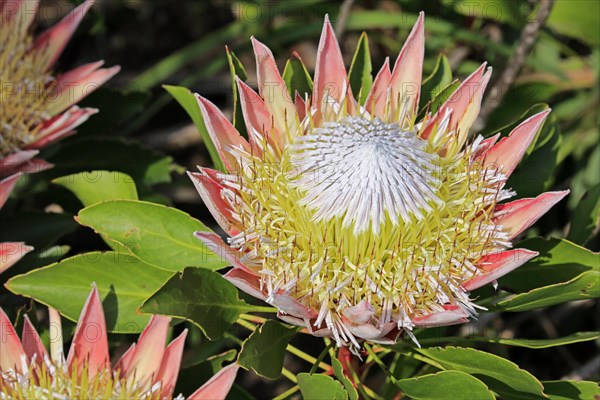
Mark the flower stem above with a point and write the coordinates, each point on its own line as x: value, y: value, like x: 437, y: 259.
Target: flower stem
x: 308, y: 358
x: 289, y: 374
x: 288, y: 393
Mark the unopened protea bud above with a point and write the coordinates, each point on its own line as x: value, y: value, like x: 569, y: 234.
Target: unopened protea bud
x: 148, y: 370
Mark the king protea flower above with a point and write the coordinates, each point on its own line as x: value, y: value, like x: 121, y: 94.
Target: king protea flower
x: 37, y: 107
x: 147, y: 370
x: 362, y: 222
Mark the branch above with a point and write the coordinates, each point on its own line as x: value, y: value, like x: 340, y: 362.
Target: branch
x: 529, y: 35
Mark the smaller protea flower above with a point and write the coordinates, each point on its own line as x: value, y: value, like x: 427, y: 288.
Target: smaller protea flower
x: 37, y: 106
x: 147, y: 370
x: 362, y: 222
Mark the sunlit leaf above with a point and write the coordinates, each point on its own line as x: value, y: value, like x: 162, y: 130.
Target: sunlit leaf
x: 188, y: 101
x: 460, y: 385
x: 318, y: 387
x: 124, y: 282
x: 96, y: 186
x: 499, y: 374
x: 158, y: 235
x: 582, y: 287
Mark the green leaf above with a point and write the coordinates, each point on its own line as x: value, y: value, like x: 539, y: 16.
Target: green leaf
x: 577, y: 18
x: 96, y: 186
x: 499, y: 374
x: 318, y: 387
x: 558, y: 261
x: 339, y: 374
x: 439, y: 79
x: 360, y: 75
x: 189, y: 103
x: 124, y: 282
x: 264, y: 350
x: 517, y: 342
x: 200, y: 296
x: 443, y: 95
x: 445, y: 384
x: 582, y: 287
x: 236, y: 68
x: 586, y: 217
x: 158, y: 235
x: 90, y: 154
x: 570, y: 390
x: 297, y: 78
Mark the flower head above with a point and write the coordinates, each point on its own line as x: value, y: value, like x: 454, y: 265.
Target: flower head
x: 360, y: 221
x: 37, y: 106
x: 147, y: 370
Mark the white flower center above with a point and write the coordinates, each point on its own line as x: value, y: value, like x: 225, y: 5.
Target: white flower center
x: 365, y: 171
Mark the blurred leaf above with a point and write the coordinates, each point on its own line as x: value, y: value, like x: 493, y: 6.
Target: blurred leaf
x: 499, y: 374
x: 116, y: 108
x: 297, y: 78
x: 521, y: 96
x: 558, y: 261
x: 517, y: 342
x: 577, y: 18
x: 379, y: 19
x: 124, y: 282
x: 360, y: 76
x: 158, y: 235
x: 96, y: 186
x: 586, y: 217
x: 318, y: 387
x: 506, y: 11
x: 237, y: 69
x: 88, y: 154
x: 188, y: 101
x: 40, y: 230
x: 436, y: 82
x: 264, y: 350
x: 569, y: 390
x: 161, y: 71
x: 339, y: 374
x: 584, y: 286
x: 460, y: 385
x: 200, y: 296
